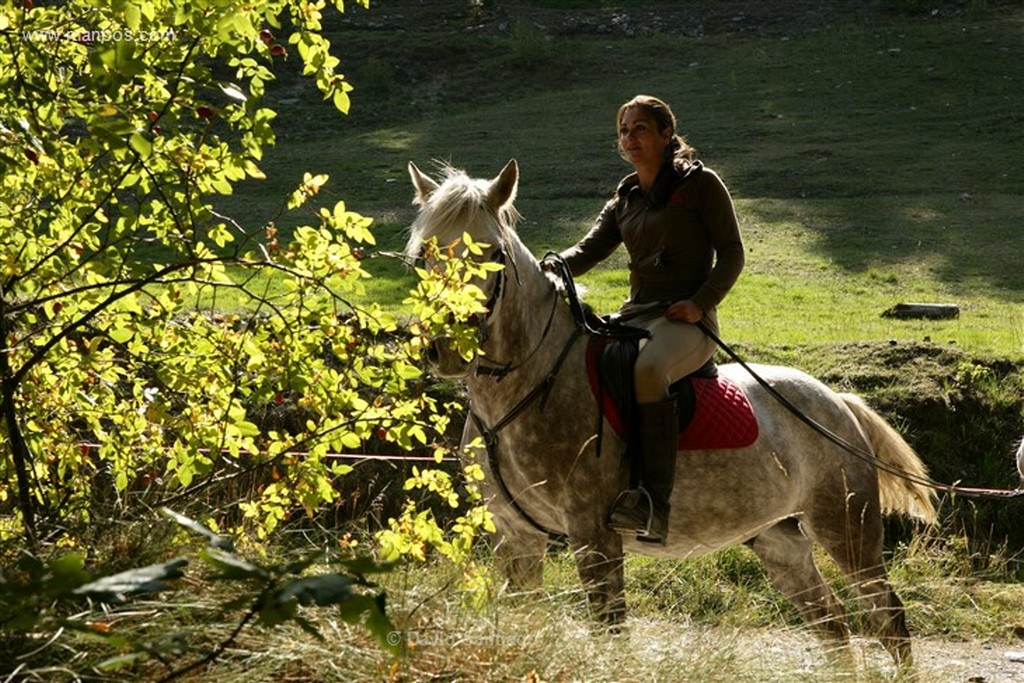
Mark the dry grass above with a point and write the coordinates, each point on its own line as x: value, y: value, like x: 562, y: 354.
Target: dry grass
x: 711, y: 619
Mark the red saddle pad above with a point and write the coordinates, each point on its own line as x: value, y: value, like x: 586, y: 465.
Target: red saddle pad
x: 723, y: 417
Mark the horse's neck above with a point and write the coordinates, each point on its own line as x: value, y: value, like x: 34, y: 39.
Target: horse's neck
x: 529, y: 331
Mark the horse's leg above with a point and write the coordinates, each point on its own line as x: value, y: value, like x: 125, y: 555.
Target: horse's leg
x: 856, y: 546
x: 519, y: 553
x: 518, y: 548
x: 787, y: 557
x: 599, y: 563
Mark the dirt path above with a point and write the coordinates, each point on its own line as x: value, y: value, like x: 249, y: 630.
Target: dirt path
x: 937, y: 661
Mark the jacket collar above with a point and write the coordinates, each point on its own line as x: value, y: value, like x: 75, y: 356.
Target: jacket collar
x: 670, y: 177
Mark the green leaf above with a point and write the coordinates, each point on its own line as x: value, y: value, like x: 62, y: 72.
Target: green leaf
x: 140, y: 144
x: 132, y: 16
x: 327, y: 589
x: 361, y: 566
x: 121, y: 661
x: 68, y: 572
x: 233, y: 91
x: 121, y: 334
x: 149, y: 579
x: 232, y: 566
x: 216, y: 540
x: 342, y: 102
x: 377, y: 623
x: 305, y: 563
x: 308, y: 627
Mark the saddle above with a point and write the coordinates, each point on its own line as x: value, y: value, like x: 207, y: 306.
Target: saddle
x: 714, y: 412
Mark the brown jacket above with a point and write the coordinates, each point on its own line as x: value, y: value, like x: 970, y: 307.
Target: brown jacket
x: 682, y: 238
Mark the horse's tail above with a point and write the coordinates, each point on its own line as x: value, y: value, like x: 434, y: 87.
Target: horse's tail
x: 897, y: 493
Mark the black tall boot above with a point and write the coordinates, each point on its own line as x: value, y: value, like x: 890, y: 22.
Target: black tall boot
x: 644, y: 510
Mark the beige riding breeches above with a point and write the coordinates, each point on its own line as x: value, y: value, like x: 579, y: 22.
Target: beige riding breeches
x: 674, y: 350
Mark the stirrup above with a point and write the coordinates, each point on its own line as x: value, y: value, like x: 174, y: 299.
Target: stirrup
x: 639, y: 531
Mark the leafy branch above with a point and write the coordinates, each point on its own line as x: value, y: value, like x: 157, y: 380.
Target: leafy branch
x: 38, y: 597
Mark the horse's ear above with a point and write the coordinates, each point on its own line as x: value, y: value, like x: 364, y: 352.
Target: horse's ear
x: 424, y: 185
x: 503, y: 188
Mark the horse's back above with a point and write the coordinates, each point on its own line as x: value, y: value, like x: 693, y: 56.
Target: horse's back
x: 724, y: 497
x: 804, y: 393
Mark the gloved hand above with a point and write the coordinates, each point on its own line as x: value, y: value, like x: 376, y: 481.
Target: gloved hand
x: 551, y: 263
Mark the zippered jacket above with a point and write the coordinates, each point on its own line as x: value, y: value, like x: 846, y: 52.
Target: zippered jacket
x: 682, y: 237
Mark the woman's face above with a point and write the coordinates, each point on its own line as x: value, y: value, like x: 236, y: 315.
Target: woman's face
x: 640, y: 141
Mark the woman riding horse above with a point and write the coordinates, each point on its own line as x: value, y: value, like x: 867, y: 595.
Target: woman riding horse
x: 676, y: 219
x: 531, y: 427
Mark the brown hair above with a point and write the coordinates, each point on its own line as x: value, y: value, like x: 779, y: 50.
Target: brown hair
x: 678, y: 149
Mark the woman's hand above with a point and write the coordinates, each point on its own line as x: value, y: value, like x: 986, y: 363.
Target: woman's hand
x: 685, y: 311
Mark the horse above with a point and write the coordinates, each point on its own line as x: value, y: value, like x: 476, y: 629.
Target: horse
x: 531, y: 407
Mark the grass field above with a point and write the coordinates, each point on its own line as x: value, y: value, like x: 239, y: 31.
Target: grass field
x: 874, y: 159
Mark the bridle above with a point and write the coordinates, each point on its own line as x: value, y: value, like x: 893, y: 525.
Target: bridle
x: 481, y: 321
x: 494, y: 368
x: 585, y: 324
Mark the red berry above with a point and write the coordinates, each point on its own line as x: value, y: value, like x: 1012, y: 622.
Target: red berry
x: 204, y: 112
x: 153, y: 116
x: 382, y: 433
x: 279, y: 398
x: 27, y: 4
x: 267, y: 37
x: 278, y: 50
x: 32, y: 155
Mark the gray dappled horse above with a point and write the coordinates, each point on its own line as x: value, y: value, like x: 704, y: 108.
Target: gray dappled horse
x: 788, y: 490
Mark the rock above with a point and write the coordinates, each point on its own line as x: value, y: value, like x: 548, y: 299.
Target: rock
x: 930, y: 311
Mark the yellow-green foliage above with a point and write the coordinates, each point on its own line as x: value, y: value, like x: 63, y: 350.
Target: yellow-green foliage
x: 124, y: 381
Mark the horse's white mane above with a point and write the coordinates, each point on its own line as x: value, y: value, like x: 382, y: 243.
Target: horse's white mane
x: 460, y: 204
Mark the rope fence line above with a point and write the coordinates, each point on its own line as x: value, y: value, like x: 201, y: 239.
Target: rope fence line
x: 331, y: 456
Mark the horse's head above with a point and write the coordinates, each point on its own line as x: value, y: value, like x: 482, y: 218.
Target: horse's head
x: 457, y: 205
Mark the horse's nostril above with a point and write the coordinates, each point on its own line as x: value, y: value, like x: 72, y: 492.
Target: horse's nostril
x: 433, y: 355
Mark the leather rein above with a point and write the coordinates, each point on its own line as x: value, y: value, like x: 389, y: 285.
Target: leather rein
x: 541, y: 392
x: 965, y: 491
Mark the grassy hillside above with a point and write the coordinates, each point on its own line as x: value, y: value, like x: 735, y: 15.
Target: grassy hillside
x: 873, y: 156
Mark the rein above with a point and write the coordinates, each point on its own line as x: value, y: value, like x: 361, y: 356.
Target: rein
x: 490, y: 434
x: 966, y: 492
x: 585, y: 324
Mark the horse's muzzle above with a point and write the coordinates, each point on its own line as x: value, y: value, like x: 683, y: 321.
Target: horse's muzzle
x: 445, y: 360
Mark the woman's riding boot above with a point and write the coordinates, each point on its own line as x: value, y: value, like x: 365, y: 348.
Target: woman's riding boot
x: 644, y: 510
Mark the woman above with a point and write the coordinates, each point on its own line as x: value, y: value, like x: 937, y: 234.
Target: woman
x: 676, y: 219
